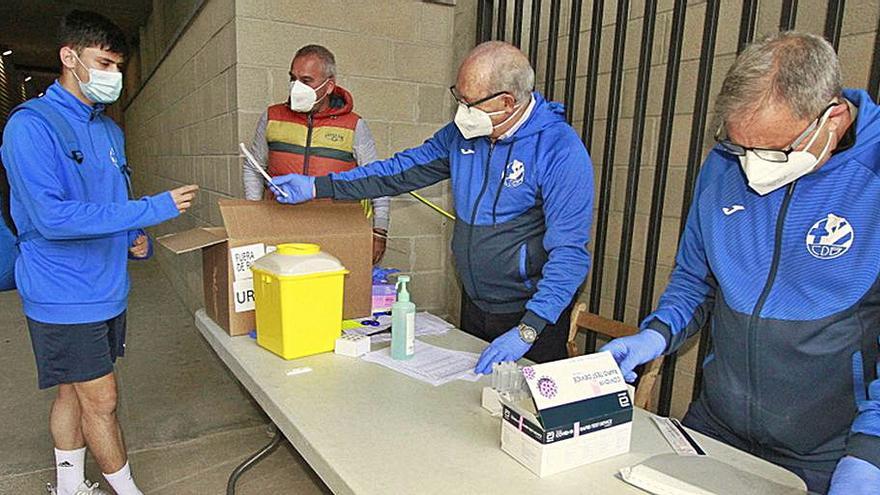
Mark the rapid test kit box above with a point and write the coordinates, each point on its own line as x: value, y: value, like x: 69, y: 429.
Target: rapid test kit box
x: 580, y: 412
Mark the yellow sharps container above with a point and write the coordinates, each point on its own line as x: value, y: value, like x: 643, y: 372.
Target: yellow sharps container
x: 298, y: 294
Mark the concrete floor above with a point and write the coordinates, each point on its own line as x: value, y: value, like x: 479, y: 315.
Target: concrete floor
x: 187, y: 422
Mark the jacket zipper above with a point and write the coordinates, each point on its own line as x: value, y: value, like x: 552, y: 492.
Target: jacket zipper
x: 751, y: 332
x: 500, y: 185
x: 474, y: 219
x: 308, y: 145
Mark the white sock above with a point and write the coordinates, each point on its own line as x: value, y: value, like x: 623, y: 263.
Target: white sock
x: 122, y: 482
x: 70, y: 470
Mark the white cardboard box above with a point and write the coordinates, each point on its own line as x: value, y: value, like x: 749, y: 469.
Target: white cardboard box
x: 580, y: 412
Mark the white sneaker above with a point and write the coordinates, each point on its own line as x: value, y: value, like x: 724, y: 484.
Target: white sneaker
x: 84, y: 488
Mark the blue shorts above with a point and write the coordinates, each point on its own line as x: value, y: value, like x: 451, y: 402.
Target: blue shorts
x: 72, y: 353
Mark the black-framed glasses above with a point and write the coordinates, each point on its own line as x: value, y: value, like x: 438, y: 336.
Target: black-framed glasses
x: 458, y: 98
x: 769, y: 154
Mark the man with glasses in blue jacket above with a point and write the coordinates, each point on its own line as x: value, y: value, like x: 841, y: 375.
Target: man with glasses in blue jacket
x: 779, y: 256
x: 523, y: 186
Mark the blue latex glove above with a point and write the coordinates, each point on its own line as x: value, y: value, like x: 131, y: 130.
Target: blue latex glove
x: 509, y: 346
x: 299, y: 188
x: 854, y: 476
x: 634, y: 350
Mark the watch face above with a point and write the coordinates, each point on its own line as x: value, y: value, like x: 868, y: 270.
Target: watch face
x: 528, y: 334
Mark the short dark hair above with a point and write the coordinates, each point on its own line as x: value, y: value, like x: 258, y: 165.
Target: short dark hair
x: 81, y: 29
x: 323, y: 54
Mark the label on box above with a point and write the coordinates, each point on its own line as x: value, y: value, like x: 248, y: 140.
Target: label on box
x: 242, y: 258
x: 243, y: 295
x: 573, y: 380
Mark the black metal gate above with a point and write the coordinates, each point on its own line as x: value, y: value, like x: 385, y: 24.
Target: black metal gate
x: 492, y: 23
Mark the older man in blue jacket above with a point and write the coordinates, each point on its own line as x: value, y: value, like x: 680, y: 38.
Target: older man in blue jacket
x: 77, y: 226
x: 522, y: 184
x: 780, y: 257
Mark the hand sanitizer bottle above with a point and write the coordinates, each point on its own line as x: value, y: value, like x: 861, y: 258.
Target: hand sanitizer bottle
x: 403, y: 322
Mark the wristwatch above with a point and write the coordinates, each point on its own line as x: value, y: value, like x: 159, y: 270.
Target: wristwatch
x: 527, y: 333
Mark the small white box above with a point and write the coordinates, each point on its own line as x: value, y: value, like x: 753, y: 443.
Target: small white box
x: 580, y: 412
x: 352, y: 345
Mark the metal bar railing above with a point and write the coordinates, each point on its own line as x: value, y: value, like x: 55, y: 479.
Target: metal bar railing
x: 664, y: 143
x: 574, y: 39
x: 484, y: 16
x: 788, y: 15
x: 592, y: 74
x: 534, y: 32
x: 552, y: 45
x: 635, y: 160
x: 695, y: 155
x: 608, y: 156
x: 747, y: 23
x: 517, y: 23
x: 834, y: 22
x: 874, y: 79
x: 501, y: 27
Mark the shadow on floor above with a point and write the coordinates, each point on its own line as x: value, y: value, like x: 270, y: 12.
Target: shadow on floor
x: 187, y: 422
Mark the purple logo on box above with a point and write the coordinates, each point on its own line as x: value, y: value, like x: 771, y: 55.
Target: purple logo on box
x: 547, y: 387
x: 529, y: 373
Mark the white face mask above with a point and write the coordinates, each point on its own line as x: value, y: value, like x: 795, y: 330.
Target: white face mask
x: 473, y: 122
x: 765, y: 176
x: 104, y: 86
x: 303, y: 97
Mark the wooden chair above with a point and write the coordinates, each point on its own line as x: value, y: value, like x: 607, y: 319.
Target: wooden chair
x: 582, y: 320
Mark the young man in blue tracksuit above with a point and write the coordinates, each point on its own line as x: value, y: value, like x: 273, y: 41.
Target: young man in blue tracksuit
x: 70, y: 201
x: 522, y: 185
x: 780, y: 257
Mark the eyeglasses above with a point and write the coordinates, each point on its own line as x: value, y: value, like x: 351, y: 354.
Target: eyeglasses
x: 769, y: 154
x: 458, y: 98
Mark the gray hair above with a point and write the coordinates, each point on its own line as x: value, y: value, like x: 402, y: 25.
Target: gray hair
x: 324, y: 55
x: 797, y: 70
x: 509, y: 69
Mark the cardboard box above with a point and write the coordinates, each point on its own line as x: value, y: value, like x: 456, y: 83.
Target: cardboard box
x: 252, y: 229
x: 580, y: 412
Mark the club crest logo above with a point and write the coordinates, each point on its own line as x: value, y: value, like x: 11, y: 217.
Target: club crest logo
x: 514, y: 174
x: 830, y: 237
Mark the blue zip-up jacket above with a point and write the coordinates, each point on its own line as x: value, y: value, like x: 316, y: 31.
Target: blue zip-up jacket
x: 790, y: 284
x: 75, y: 221
x: 523, y: 208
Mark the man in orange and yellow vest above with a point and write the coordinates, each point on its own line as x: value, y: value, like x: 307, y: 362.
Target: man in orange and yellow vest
x: 315, y: 133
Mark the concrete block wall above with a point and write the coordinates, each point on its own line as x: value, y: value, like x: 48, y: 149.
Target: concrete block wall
x: 856, y: 52
x: 181, y: 127
x: 395, y: 56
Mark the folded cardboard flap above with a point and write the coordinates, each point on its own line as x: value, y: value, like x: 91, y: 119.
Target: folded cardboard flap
x: 340, y: 228
x: 193, y: 239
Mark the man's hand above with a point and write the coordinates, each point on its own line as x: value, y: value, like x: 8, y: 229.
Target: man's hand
x: 184, y: 196
x: 854, y: 476
x: 140, y: 248
x: 634, y: 350
x: 380, y: 237
x: 509, y: 346
x: 299, y: 188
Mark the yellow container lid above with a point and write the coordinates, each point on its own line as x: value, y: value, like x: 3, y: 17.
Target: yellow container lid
x: 297, y: 259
